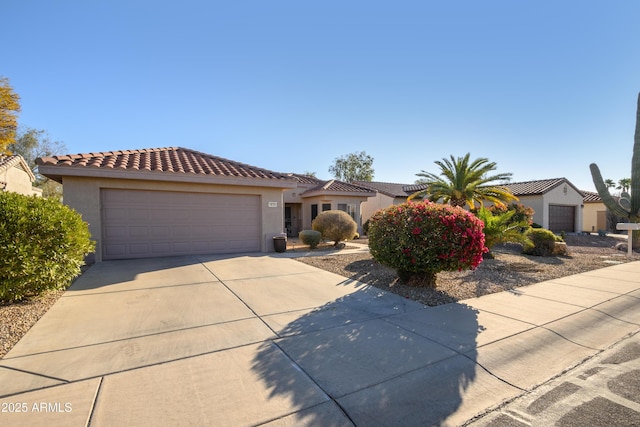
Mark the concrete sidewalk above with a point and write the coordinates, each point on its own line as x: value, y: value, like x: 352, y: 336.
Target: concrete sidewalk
x: 265, y: 340
x: 604, y: 391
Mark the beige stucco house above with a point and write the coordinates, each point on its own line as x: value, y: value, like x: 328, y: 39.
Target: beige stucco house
x: 16, y: 176
x: 313, y: 196
x: 177, y: 201
x: 171, y: 201
x: 386, y: 194
x: 594, y: 213
x: 557, y: 203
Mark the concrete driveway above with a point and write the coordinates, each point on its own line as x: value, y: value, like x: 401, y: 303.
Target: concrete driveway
x: 266, y: 340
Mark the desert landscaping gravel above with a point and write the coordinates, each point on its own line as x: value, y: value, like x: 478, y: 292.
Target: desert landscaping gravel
x: 510, y: 269
x: 16, y: 319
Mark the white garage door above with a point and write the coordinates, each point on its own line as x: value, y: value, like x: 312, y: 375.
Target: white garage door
x: 142, y: 224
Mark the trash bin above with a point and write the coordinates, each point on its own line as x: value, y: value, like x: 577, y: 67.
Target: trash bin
x: 280, y: 243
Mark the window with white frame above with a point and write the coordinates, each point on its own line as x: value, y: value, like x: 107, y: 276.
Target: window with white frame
x: 348, y: 208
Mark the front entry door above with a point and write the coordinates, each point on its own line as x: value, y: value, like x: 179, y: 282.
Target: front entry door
x: 287, y: 220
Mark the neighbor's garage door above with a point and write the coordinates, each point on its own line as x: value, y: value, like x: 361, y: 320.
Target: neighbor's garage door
x: 562, y: 218
x: 141, y: 224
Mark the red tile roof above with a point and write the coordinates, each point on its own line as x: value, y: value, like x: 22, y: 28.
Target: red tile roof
x: 591, y: 197
x: 387, y: 188
x: 527, y: 188
x: 330, y: 186
x: 305, y: 179
x: 542, y: 186
x: 413, y: 188
x: 167, y: 160
x: 335, y: 185
x: 7, y: 162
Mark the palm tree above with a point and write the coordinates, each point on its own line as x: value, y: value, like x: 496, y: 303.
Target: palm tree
x: 461, y: 182
x: 623, y: 184
x: 609, y: 183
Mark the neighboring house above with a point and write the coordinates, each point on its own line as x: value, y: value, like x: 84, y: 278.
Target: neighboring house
x: 386, y: 194
x: 557, y: 203
x: 313, y: 196
x: 16, y: 176
x: 594, y: 213
x: 171, y: 201
x: 597, y: 217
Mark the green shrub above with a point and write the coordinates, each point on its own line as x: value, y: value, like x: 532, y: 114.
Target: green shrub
x: 499, y: 227
x: 521, y: 213
x: 42, y: 245
x: 310, y: 237
x: 335, y: 226
x: 418, y: 240
x: 541, y: 242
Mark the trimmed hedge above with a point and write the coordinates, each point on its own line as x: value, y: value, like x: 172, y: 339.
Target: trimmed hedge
x: 335, y: 226
x: 310, y: 237
x: 418, y: 240
x: 42, y: 245
x: 541, y: 242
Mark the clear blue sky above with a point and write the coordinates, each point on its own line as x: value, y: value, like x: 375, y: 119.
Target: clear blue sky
x: 543, y: 88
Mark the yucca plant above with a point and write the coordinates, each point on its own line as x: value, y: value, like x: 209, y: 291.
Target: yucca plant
x: 628, y: 206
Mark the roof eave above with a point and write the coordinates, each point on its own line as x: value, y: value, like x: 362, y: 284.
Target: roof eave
x: 315, y: 193
x: 537, y: 193
x: 57, y: 173
x: 19, y: 161
x: 555, y: 184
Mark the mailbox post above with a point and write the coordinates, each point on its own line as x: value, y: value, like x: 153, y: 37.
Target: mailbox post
x: 630, y: 227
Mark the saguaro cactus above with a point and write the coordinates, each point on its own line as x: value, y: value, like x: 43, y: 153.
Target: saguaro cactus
x: 629, y: 204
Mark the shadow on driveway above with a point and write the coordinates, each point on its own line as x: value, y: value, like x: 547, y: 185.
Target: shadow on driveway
x: 384, y: 370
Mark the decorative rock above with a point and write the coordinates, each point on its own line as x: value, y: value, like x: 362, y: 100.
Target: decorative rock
x: 622, y: 246
x: 560, y: 248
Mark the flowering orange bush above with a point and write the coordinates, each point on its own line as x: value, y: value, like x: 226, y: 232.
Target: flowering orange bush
x: 418, y: 240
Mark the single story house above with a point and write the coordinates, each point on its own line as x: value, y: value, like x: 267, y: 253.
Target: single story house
x: 171, y: 201
x: 386, y: 194
x: 597, y: 217
x: 594, y: 216
x: 557, y: 203
x: 177, y: 201
x: 312, y: 196
x: 16, y: 176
